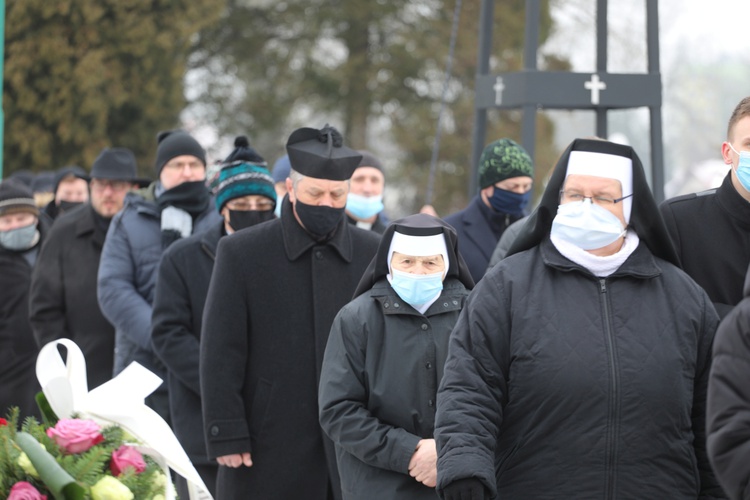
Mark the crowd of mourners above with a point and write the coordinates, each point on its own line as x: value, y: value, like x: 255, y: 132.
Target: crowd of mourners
x: 594, y: 344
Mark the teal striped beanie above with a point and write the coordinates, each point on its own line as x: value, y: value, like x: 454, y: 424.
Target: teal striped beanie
x: 243, y: 173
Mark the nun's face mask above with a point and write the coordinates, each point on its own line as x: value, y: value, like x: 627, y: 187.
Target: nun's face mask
x: 590, y: 214
x: 417, y: 279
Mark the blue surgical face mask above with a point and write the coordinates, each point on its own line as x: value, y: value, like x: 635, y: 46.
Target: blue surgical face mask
x: 586, y: 225
x: 416, y: 289
x: 20, y: 238
x: 364, y: 207
x: 509, y: 202
x: 743, y: 167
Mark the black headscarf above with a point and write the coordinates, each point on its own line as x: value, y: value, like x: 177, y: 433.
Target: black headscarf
x: 416, y: 225
x: 645, y: 218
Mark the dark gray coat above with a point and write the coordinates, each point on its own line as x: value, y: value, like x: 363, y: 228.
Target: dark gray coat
x: 63, y: 292
x: 478, y: 228
x: 18, y: 350
x: 560, y: 384
x: 274, y: 294
x: 381, y: 370
x: 711, y: 233
x: 181, y: 289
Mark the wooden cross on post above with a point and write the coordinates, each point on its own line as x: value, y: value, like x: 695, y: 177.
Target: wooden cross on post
x: 532, y: 90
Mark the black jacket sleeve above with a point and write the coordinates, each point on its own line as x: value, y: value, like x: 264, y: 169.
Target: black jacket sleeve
x: 728, y: 409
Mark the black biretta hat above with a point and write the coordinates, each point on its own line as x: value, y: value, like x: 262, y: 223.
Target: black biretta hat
x: 416, y: 225
x: 321, y: 154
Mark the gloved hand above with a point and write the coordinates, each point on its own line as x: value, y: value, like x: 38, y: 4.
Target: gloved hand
x: 469, y: 488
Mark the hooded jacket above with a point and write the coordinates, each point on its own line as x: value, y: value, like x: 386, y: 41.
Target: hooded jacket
x: 728, y: 412
x: 381, y: 369
x: 561, y: 384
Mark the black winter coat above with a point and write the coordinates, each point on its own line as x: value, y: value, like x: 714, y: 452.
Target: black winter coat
x: 180, y: 295
x: 728, y: 412
x: 560, y: 384
x: 476, y: 237
x: 711, y: 233
x: 18, y: 350
x: 381, y: 370
x: 63, y: 292
x: 274, y: 294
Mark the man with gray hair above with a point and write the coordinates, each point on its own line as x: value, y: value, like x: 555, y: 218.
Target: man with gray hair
x: 275, y: 290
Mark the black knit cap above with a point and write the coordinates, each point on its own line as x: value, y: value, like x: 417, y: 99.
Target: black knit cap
x: 173, y: 143
x: 16, y: 197
x: 321, y: 154
x: 370, y: 160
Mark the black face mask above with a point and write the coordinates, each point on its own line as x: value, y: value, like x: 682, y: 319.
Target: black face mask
x: 240, y: 219
x: 319, y: 221
x: 64, y: 206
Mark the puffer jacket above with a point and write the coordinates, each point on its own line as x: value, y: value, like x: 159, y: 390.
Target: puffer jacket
x: 559, y: 384
x: 378, y: 384
x: 127, y: 275
x: 728, y: 412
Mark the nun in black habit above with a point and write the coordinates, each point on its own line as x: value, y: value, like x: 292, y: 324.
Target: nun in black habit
x: 579, y: 365
x: 384, y: 361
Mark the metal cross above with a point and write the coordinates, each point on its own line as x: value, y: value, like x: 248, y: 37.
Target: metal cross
x: 595, y: 85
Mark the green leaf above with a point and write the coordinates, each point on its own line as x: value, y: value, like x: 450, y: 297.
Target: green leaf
x: 49, y: 418
x: 60, y: 483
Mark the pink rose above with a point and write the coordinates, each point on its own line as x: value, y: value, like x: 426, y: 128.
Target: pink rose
x: 75, y: 435
x: 25, y: 491
x: 124, y: 457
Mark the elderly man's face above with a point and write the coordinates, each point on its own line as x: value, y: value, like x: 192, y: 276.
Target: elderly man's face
x: 599, y: 189
x: 318, y: 192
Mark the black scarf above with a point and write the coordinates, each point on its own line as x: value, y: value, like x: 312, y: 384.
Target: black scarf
x: 192, y: 197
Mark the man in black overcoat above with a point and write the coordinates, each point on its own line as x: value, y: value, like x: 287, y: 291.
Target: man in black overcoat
x: 274, y: 293
x: 63, y: 300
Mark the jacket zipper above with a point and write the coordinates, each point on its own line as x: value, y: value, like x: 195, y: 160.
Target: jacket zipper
x: 613, y: 404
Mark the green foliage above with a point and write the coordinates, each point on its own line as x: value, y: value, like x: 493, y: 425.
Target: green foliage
x: 82, y: 75
x: 82, y: 470
x: 269, y: 67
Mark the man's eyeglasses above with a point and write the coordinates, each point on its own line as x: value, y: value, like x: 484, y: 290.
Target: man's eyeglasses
x: 602, y: 201
x: 245, y: 206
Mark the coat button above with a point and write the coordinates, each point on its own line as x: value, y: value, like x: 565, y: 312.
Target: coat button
x: 455, y: 302
x: 445, y: 304
x: 428, y: 365
x: 430, y: 403
x: 319, y: 255
x: 395, y: 304
x: 386, y: 305
x: 215, y: 430
x: 424, y: 327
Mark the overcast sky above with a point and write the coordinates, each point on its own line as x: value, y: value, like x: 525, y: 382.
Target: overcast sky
x: 705, y: 67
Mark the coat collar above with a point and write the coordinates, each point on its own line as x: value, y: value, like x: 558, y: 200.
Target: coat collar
x: 451, y: 299
x: 641, y: 263
x: 210, y: 239
x: 297, y: 241
x: 85, y: 226
x: 732, y: 202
